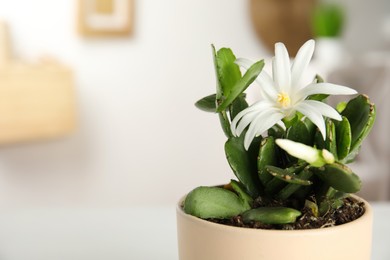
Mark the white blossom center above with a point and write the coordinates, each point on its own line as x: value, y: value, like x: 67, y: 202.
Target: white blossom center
x: 284, y: 99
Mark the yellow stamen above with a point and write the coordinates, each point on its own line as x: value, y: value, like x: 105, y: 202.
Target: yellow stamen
x: 284, y: 99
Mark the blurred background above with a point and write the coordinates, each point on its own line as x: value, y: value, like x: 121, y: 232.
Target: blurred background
x: 132, y: 135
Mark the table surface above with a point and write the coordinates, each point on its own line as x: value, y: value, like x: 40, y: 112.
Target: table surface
x: 117, y: 233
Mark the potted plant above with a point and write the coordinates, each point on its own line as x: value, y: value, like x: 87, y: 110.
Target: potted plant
x: 327, y: 25
x: 292, y: 197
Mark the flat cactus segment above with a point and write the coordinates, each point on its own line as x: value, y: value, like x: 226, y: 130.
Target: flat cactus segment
x: 238, y: 105
x: 275, y: 185
x: 207, y: 104
x: 227, y: 72
x: 341, y: 106
x: 237, y: 187
x: 358, y: 112
x: 339, y: 176
x: 240, y: 162
x: 241, y: 85
x: 267, y: 156
x: 287, y: 176
x: 319, y: 140
x: 330, y: 142
x: 299, y: 133
x: 291, y: 188
x: 332, y: 199
x: 213, y: 202
x: 311, y: 128
x: 271, y: 215
x: 361, y: 114
x: 276, y: 131
x: 331, y: 139
x: 344, y: 138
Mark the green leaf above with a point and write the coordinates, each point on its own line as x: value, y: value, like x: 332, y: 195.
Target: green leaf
x: 357, y: 112
x: 318, y: 97
x: 332, y: 199
x: 228, y: 73
x: 275, y: 185
x: 319, y: 140
x: 291, y: 188
x: 361, y: 114
x: 225, y: 123
x: 237, y: 187
x: 311, y: 128
x: 240, y: 162
x: 271, y: 215
x: 267, y: 156
x: 213, y: 202
x: 238, y: 105
x: 339, y: 176
x: 287, y: 176
x: 290, y: 121
x: 253, y: 152
x: 330, y: 142
x: 299, y: 133
x: 276, y: 131
x: 250, y: 75
x: 344, y: 138
x: 207, y: 104
x: 218, y: 85
x: 341, y: 106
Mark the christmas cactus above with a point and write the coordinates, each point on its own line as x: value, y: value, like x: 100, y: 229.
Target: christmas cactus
x: 289, y: 150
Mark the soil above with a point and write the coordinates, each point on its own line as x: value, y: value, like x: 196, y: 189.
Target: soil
x: 349, y: 211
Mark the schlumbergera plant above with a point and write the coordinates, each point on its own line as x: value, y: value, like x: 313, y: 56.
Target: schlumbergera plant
x: 290, y: 149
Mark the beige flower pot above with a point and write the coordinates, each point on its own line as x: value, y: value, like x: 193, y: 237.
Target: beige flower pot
x: 202, y: 240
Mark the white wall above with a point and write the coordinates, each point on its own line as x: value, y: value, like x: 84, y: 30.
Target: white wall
x: 140, y: 138
x: 365, y: 25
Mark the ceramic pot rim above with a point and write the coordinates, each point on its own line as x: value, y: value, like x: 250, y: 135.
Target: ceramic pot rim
x: 226, y: 228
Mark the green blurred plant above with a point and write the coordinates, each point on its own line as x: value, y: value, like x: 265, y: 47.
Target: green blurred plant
x: 327, y: 20
x: 292, y: 163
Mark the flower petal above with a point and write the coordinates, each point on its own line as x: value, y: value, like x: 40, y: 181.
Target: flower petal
x: 323, y: 108
x: 244, y: 63
x: 314, y: 115
x: 262, y: 123
x: 302, y: 60
x: 250, y: 117
x: 282, y: 75
x: 245, y: 121
x: 256, y: 107
x: 274, y: 72
x: 267, y: 86
x: 323, y: 88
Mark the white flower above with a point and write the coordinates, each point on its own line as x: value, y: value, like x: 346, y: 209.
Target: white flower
x: 282, y: 96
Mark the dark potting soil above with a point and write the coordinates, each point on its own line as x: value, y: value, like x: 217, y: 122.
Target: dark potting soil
x: 349, y: 211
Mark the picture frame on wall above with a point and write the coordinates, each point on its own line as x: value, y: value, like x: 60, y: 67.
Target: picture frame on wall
x: 105, y: 17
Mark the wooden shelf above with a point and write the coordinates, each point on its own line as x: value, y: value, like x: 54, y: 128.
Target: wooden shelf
x: 37, y: 101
